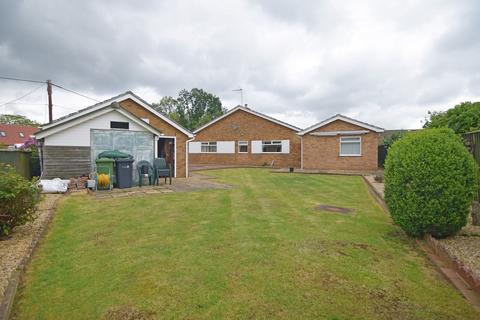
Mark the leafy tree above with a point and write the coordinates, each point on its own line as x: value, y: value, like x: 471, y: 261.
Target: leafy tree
x: 389, y: 140
x: 462, y: 118
x: 430, y: 180
x: 17, y: 119
x: 191, y: 109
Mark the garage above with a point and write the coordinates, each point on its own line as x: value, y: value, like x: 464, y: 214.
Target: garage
x: 136, y: 143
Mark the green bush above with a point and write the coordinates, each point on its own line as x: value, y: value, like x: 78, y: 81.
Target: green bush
x: 430, y: 179
x: 18, y: 198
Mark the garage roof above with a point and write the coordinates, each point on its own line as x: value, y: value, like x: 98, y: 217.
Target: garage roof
x: 106, y: 103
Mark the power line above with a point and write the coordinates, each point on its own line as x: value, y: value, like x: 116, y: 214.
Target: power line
x: 56, y: 85
x: 77, y: 93
x: 27, y: 94
x: 24, y: 80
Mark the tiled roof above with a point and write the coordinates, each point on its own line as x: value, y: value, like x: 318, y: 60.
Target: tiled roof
x: 10, y: 134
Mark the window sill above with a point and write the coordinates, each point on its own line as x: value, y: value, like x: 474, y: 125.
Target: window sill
x: 350, y: 155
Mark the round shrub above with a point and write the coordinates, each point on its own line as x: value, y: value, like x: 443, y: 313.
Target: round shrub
x: 18, y: 198
x: 430, y: 180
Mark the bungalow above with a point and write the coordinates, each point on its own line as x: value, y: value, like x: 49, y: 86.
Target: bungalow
x: 244, y: 137
x: 340, y: 143
x: 70, y: 145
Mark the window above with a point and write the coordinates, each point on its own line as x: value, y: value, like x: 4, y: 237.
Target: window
x: 2, y: 134
x: 272, y: 146
x: 209, y: 146
x: 21, y: 134
x: 350, y: 146
x: 242, y: 146
x: 119, y: 125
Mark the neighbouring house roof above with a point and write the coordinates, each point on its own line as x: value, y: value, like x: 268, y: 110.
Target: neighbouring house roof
x: 108, y: 102
x: 11, y: 134
x: 248, y: 110
x: 114, y: 106
x: 342, y: 118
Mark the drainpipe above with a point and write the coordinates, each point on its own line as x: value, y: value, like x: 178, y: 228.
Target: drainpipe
x: 186, y: 156
x: 301, y: 152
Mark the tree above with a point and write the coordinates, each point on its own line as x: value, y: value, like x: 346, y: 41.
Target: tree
x: 17, y: 119
x: 462, y: 118
x: 191, y: 109
x: 389, y: 140
x: 430, y: 180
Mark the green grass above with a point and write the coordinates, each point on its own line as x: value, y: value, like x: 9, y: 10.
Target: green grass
x: 257, y: 250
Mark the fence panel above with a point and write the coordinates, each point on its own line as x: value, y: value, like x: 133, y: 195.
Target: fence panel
x: 472, y: 142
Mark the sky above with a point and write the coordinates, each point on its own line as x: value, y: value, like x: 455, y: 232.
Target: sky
x: 383, y: 62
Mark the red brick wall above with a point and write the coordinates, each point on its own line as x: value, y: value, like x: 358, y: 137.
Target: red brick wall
x: 243, y: 126
x: 324, y: 152
x: 164, y: 128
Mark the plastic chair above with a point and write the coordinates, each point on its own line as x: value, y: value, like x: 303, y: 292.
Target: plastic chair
x: 161, y: 170
x: 145, y: 168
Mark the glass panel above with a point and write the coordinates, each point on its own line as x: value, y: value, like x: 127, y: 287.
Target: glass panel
x: 209, y: 146
x: 350, y: 148
x: 272, y: 148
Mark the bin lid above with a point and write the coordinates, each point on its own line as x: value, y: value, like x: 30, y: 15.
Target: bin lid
x: 114, y: 154
x: 124, y: 160
x: 104, y: 160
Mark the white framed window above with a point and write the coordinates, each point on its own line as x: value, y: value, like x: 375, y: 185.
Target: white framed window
x: 242, y: 146
x: 350, y: 146
x: 273, y: 146
x: 209, y: 146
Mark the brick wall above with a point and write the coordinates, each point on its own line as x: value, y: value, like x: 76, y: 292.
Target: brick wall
x: 243, y: 126
x: 164, y: 128
x: 324, y: 152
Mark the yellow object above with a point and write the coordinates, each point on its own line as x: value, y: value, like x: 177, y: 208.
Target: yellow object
x: 103, y: 180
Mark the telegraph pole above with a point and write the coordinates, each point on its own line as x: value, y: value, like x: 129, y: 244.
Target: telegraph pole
x: 50, y: 104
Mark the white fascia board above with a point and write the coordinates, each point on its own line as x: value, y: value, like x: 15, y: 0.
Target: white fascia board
x: 47, y: 132
x: 140, y: 122
x: 119, y: 99
x: 338, y: 133
x: 255, y: 113
x: 158, y: 114
x: 90, y: 116
x: 342, y: 118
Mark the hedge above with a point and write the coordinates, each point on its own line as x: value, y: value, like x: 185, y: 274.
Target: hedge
x: 18, y: 199
x: 430, y: 180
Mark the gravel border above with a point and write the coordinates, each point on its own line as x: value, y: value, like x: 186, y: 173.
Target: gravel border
x: 465, y: 252
x: 17, y: 250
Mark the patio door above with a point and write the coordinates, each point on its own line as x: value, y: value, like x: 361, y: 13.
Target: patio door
x: 166, y: 149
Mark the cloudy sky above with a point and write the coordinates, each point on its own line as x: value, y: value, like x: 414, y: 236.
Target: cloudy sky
x: 383, y: 62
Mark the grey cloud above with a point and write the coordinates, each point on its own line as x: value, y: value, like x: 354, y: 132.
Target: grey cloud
x: 316, y: 58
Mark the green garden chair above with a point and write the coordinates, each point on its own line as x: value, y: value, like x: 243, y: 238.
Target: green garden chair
x: 161, y: 170
x: 145, y: 169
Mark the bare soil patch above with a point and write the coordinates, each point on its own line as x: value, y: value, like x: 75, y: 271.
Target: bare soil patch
x: 127, y: 313
x: 334, y: 209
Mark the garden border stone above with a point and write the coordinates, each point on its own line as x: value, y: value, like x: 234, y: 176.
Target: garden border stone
x: 6, y: 301
x: 450, y: 268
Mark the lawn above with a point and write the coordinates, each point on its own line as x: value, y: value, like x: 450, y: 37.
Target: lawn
x: 257, y: 250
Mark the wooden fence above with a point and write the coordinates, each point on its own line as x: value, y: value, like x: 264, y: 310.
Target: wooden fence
x: 472, y: 142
